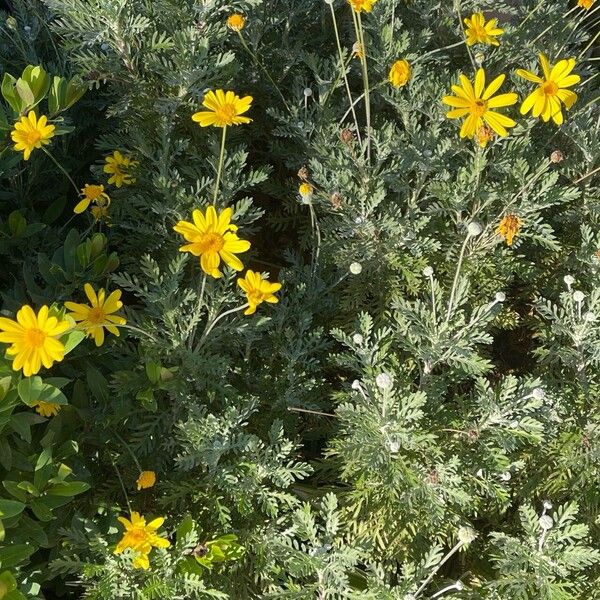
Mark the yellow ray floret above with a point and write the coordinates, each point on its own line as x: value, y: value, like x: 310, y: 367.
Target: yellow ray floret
x: 224, y: 109
x: 33, y: 339
x: 547, y: 99
x: 99, y: 314
x: 480, y: 32
x: 30, y: 132
x: 212, y: 238
x: 258, y: 290
x: 475, y: 102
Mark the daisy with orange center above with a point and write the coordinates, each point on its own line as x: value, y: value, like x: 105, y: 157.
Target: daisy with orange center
x: 236, y: 21
x: 545, y: 102
x: 119, y: 167
x: 30, y: 133
x: 92, y: 193
x: 475, y: 103
x: 141, y: 538
x: 480, y: 32
x: 212, y: 237
x: 258, y: 290
x: 509, y: 228
x: 34, y: 339
x: 99, y: 315
x: 362, y: 5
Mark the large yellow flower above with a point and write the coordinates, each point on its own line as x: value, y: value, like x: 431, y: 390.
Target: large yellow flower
x: 141, y: 538
x: 364, y: 5
x: 480, y: 32
x: 119, y: 167
x: 545, y: 101
x: 587, y: 4
x: 92, y: 193
x: 212, y: 238
x: 475, y: 101
x: 34, y: 339
x: 95, y: 318
x: 400, y: 73
x: 224, y: 108
x: 258, y: 290
x: 30, y: 132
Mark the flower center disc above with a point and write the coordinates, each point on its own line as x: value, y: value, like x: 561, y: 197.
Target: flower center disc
x: 550, y: 88
x: 256, y: 297
x: 35, y: 338
x: 479, y: 107
x: 33, y: 137
x: 226, y: 113
x: 96, y: 315
x: 211, y: 242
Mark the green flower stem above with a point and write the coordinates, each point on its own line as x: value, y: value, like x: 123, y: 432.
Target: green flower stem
x: 444, y: 560
x: 220, y: 167
x: 432, y: 52
x: 343, y: 71
x: 456, y: 277
x: 128, y: 447
x: 363, y: 61
x: 63, y: 170
x: 122, y: 486
x: 317, y: 233
x: 137, y: 330
x: 263, y: 69
x: 210, y: 327
x: 462, y: 29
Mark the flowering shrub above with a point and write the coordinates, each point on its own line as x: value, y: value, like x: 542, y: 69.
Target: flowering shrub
x: 300, y: 299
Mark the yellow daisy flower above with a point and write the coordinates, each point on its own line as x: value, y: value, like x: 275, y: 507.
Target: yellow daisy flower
x: 92, y: 193
x: 509, y: 228
x: 119, y: 167
x: 47, y: 409
x: 99, y: 316
x: 258, y: 290
x: 545, y: 101
x: 400, y: 73
x: 587, y: 4
x: 141, y: 538
x: 224, y: 108
x: 147, y: 479
x: 480, y: 32
x: 34, y: 339
x: 475, y: 101
x: 30, y: 132
x: 212, y: 238
x: 362, y: 5
x: 306, y: 190
x: 236, y: 21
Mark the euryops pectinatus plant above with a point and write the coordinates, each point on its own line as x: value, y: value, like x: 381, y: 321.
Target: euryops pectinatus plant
x: 300, y: 299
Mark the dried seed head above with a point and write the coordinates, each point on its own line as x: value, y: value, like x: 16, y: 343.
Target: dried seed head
x: 303, y: 173
x: 347, y: 136
x: 557, y: 156
x: 336, y: 200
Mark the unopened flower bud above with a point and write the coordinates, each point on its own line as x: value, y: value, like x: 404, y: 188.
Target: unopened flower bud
x: 383, y: 381
x: 358, y: 339
x: 336, y: 200
x: 506, y: 476
x: 428, y: 271
x: 479, y: 58
x: 347, y: 136
x: 356, y: 384
x: 500, y: 296
x: 590, y: 317
x: 538, y: 393
x: 569, y: 280
x: 356, y: 268
x: 303, y: 174
x: 394, y: 446
x: 474, y: 229
x: 547, y: 505
x: 557, y: 156
x: 307, y: 92
x: 466, y: 534
x: 546, y: 522
x: 578, y: 296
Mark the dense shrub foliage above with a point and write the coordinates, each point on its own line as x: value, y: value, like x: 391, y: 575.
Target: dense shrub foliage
x: 300, y: 299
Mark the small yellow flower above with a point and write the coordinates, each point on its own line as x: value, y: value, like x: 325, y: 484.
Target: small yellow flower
x: 509, y: 228
x: 147, y: 479
x: 47, y: 409
x: 119, y: 167
x: 545, y: 101
x: 484, y: 135
x: 236, y: 21
x: 587, y: 4
x: 362, y: 5
x: 306, y: 190
x: 92, y: 193
x: 34, y: 339
x: 258, y: 290
x: 358, y: 51
x: 224, y: 108
x: 212, y: 238
x: 480, y: 32
x: 475, y: 101
x: 30, y: 132
x: 400, y: 73
x: 99, y: 316
x: 141, y: 538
